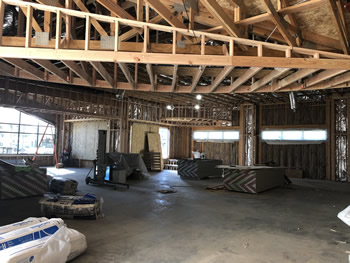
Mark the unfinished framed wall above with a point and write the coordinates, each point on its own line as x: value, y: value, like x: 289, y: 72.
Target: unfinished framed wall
x: 311, y: 158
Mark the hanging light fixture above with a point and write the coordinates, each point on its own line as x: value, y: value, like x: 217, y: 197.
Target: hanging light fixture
x: 170, y: 107
x: 199, y: 97
x: 197, y: 107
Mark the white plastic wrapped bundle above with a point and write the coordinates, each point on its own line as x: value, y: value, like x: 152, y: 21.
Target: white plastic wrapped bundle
x: 65, y: 245
x: 77, y: 242
x: 27, y: 234
x: 25, y: 223
x: 53, y: 249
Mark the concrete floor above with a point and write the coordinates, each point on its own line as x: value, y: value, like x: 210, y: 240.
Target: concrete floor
x: 296, y: 223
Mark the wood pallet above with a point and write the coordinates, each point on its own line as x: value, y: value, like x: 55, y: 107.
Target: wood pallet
x: 152, y: 161
x: 171, y: 164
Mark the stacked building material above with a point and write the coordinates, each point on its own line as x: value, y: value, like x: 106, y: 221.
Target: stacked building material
x: 21, y: 180
x: 66, y: 206
x: 252, y: 179
x: 198, y: 168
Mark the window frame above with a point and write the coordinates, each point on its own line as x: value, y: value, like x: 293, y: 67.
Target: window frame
x: 300, y: 140
x: 221, y: 140
x: 19, y: 133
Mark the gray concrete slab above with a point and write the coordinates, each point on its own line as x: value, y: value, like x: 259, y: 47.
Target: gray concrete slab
x: 295, y: 223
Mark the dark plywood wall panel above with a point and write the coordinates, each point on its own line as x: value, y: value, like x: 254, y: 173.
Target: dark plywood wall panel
x: 306, y: 113
x: 180, y: 142
x: 227, y: 152
x: 311, y: 158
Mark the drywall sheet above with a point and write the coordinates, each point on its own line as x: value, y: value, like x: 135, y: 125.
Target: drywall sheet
x: 85, y: 139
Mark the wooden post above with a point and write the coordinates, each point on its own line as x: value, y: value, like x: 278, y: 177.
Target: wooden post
x: 28, y: 41
x: 202, y: 45
x: 332, y: 141
x: 145, y: 39
x: 2, y: 11
x: 116, y: 38
x: 174, y: 42
x: 232, y: 48
x: 328, y: 142
x: 58, y: 29
x: 68, y: 19
x: 20, y: 23
x: 241, y: 145
x: 87, y: 33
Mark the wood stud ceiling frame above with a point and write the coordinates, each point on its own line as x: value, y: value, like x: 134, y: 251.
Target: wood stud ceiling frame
x: 293, y: 68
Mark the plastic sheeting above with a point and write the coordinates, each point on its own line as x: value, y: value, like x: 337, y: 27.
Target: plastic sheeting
x: 63, y: 186
x: 30, y: 233
x: 25, y: 223
x: 62, y: 246
x: 127, y: 161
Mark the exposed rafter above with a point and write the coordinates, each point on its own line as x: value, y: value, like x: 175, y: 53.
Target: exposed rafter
x: 246, y: 76
x: 79, y: 71
x: 104, y: 73
x: 197, y: 77
x: 223, y: 74
x: 300, y: 74
x: 268, y: 78
x: 127, y: 74
x: 51, y: 68
x: 279, y: 22
x: 19, y: 63
x: 339, y: 26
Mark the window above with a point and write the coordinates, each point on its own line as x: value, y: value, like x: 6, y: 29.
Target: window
x: 20, y: 133
x: 294, y: 136
x: 216, y: 136
x: 165, y: 141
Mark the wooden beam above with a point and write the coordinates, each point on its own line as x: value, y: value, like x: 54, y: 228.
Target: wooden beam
x: 338, y: 25
x: 79, y: 71
x: 93, y: 21
x: 58, y: 30
x: 151, y: 75
x: 279, y: 22
x: 180, y: 59
x: 244, y: 78
x: 52, y: 68
x: 215, y: 9
x: 19, y: 63
x: 29, y: 16
x: 34, y: 23
x: 336, y: 82
x: 133, y: 32
x: 268, y: 78
x: 47, y: 21
x: 104, y: 73
x: 223, y: 74
x: 197, y: 77
x: 302, y: 73
x: 293, y: 21
x: 284, y: 11
x: 174, y: 81
x: 324, y: 75
x: 116, y: 9
x: 127, y: 74
x: 165, y: 13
